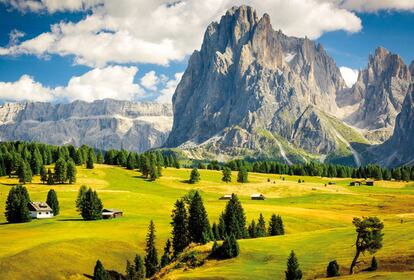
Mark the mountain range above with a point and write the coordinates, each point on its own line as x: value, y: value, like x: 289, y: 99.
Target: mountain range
x: 250, y: 91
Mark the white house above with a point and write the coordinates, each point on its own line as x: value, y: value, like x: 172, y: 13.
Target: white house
x: 40, y: 210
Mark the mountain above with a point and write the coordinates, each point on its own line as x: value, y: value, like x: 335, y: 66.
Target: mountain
x: 378, y: 94
x: 412, y: 68
x: 102, y: 124
x: 398, y: 150
x: 254, y: 91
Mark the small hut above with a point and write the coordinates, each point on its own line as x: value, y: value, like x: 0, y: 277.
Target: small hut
x: 355, y: 184
x: 369, y: 183
x: 40, y: 210
x: 111, y: 213
x: 257, y: 196
x: 225, y: 197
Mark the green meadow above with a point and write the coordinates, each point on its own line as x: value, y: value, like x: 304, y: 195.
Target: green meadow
x: 317, y: 219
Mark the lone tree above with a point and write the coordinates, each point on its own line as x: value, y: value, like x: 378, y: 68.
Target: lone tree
x: 293, y: 272
x: 261, y: 227
x: 198, y: 224
x: 151, y: 259
x: 242, y: 175
x: 90, y: 160
x: 276, y: 226
x: 180, y: 235
x: 53, y: 202
x: 332, y: 270
x: 17, y: 210
x: 226, y: 175
x: 90, y: 206
x: 99, y: 273
x: 369, y: 237
x: 194, y: 176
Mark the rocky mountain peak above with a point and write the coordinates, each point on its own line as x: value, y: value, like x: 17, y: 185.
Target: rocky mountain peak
x: 412, y: 68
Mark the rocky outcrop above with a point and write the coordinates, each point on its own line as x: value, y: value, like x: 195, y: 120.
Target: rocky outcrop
x: 379, y: 93
x: 102, y: 124
x: 251, y: 88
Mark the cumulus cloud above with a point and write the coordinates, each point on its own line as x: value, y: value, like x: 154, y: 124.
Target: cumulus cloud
x: 150, y: 81
x: 161, y: 31
x: 115, y: 82
x: 167, y: 92
x: 350, y: 75
x: 50, y: 6
x: 377, y: 5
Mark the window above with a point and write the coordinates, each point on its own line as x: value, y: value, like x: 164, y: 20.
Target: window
x: 40, y: 213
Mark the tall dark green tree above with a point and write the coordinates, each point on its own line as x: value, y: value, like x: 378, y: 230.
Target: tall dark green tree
x: 226, y: 175
x: 91, y: 206
x: 242, y: 175
x: 229, y: 248
x: 198, y: 224
x: 166, y: 257
x: 99, y: 272
x: 374, y: 264
x: 17, y: 202
x: 53, y: 202
x: 60, y: 171
x: 139, y: 268
x: 24, y: 172
x: 151, y: 258
x: 332, y: 270
x: 50, y: 177
x: 194, y: 176
x: 234, y: 218
x: 180, y: 234
x: 99, y: 157
x: 276, y: 226
x: 36, y: 161
x: 43, y: 174
x: 90, y: 159
x: 131, y: 163
x: 293, y: 271
x: 71, y: 171
x: 369, y: 237
x: 79, y: 198
x: 261, y: 227
x: 252, y: 229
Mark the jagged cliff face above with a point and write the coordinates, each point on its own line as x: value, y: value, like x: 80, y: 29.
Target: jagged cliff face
x: 398, y: 150
x: 379, y: 93
x: 250, y: 85
x: 103, y: 124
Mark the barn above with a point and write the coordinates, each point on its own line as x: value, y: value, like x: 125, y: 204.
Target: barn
x: 257, y: 196
x: 355, y: 184
x: 40, y: 210
x: 111, y: 213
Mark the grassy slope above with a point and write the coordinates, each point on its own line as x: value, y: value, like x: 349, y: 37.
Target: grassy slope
x: 317, y: 220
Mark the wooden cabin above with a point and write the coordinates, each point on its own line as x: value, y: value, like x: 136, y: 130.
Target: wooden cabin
x: 355, y: 184
x: 369, y: 183
x: 257, y: 196
x: 111, y: 213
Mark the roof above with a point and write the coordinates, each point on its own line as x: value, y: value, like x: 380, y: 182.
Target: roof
x: 256, y: 195
x: 112, y: 210
x: 39, y: 207
x: 227, y: 195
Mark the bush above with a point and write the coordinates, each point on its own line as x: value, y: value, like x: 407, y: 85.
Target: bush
x: 332, y: 270
x: 374, y: 264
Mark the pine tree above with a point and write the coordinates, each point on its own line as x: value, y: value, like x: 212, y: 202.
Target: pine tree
x: 151, y: 259
x: 79, y: 198
x: 276, y: 226
x: 36, y: 161
x: 222, y: 227
x: 43, y: 174
x: 230, y: 247
x: 215, y: 231
x: 79, y: 160
x: 131, y: 164
x: 17, y: 202
x: 166, y: 257
x: 374, y: 264
x: 99, y: 157
x: 261, y: 227
x: 53, y: 202
x: 130, y: 271
x: 194, y: 176
x: 91, y: 206
x: 153, y: 171
x: 332, y: 270
x: 60, y: 171
x: 226, y: 175
x: 90, y: 159
x: 99, y: 272
x: 252, y: 230
x: 180, y: 235
x: 293, y: 272
x: 50, y: 177
x: 24, y: 172
x: 139, y: 268
x: 71, y: 171
x: 242, y: 175
x: 198, y: 224
x: 234, y: 218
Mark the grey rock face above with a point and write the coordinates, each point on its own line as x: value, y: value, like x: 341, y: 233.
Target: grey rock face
x: 379, y: 92
x: 103, y: 124
x: 412, y: 68
x: 398, y: 150
x: 250, y: 84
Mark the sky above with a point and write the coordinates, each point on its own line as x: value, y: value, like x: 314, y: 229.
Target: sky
x: 66, y: 50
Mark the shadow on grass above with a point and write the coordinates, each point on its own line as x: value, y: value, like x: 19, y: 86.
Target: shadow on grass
x: 71, y: 220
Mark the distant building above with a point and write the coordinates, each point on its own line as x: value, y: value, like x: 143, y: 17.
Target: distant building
x: 40, y: 210
x: 257, y: 196
x: 355, y: 184
x: 111, y: 213
x: 369, y: 183
x: 225, y: 197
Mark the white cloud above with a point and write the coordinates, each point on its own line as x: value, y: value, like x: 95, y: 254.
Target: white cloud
x: 50, y: 6
x: 150, y: 81
x: 160, y: 31
x: 115, y: 82
x: 350, y: 75
x: 377, y: 5
x: 167, y: 92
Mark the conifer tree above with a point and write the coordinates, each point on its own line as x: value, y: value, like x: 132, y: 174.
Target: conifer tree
x: 234, y: 218
x: 139, y: 268
x: 79, y: 160
x: 60, y: 171
x: 130, y: 271
x: 276, y: 226
x: 151, y: 259
x: 194, y: 176
x: 50, y: 177
x: 222, y: 227
x: 226, y: 175
x: 131, y: 164
x: 242, y: 175
x: 180, y: 235
x: 17, y: 202
x: 99, y: 272
x: 99, y: 157
x: 230, y: 247
x: 145, y: 165
x: 36, y: 161
x: 53, y: 202
x: 90, y: 159
x: 261, y: 227
x: 71, y: 171
x: 293, y: 272
x: 24, y: 172
x: 91, y: 206
x: 43, y: 174
x: 153, y: 171
x: 198, y: 224
x: 252, y: 229
x: 374, y: 264
x: 79, y: 198
x: 332, y: 270
x: 166, y: 257
x: 215, y: 231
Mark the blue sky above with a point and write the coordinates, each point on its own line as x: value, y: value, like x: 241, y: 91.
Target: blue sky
x: 80, y: 57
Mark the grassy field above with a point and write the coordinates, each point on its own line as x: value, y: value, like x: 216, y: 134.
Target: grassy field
x: 317, y: 221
